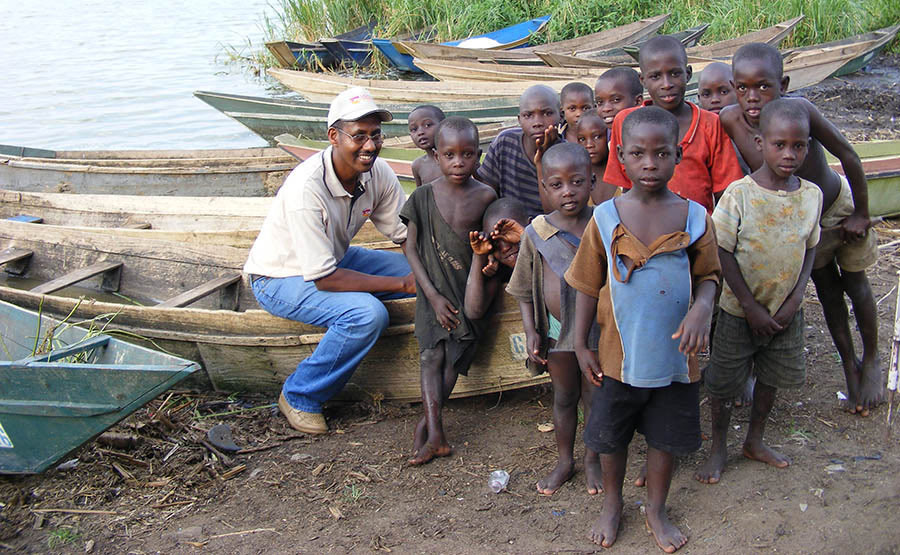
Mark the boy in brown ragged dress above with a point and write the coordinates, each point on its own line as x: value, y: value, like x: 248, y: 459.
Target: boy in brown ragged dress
x: 847, y: 246
x: 547, y: 302
x: 439, y: 216
x: 423, y: 122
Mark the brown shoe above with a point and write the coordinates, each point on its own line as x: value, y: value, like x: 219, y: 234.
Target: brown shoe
x: 306, y: 422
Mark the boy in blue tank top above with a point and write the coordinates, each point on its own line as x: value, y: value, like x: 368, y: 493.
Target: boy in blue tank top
x: 647, y: 270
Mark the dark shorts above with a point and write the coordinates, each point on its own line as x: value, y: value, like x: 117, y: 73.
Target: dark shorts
x: 778, y: 361
x: 668, y: 417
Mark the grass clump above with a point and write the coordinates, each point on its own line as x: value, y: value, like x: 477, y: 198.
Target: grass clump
x: 826, y: 20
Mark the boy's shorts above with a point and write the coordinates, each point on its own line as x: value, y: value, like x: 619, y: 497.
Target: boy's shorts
x: 778, y: 361
x: 668, y: 417
x: 854, y: 256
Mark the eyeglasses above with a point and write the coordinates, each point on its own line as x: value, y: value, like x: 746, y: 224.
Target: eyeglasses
x: 362, y: 138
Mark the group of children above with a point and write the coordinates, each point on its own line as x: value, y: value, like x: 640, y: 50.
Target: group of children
x: 617, y: 298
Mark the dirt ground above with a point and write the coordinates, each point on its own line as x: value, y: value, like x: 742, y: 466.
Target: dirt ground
x: 352, y: 491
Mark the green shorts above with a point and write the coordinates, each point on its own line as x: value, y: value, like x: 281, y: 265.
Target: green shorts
x: 778, y: 361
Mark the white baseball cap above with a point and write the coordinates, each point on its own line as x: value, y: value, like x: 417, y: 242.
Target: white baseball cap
x: 353, y: 104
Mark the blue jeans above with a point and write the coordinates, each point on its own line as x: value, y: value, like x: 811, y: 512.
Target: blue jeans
x: 354, y: 320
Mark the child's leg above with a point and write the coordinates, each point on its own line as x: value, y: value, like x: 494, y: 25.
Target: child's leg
x: 606, y: 527
x: 754, y: 448
x: 566, y: 378
x: 659, y: 477
x: 710, y: 472
x: 435, y: 365
x: 592, y: 471
x: 420, y: 436
x: 871, y: 384
x: 830, y: 290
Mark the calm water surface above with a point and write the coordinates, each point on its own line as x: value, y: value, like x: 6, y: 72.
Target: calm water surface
x: 111, y: 74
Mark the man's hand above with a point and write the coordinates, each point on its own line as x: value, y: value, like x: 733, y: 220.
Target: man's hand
x: 408, y: 284
x: 508, y: 230
x: 445, y: 312
x: 590, y: 365
x: 760, y: 321
x: 480, y: 243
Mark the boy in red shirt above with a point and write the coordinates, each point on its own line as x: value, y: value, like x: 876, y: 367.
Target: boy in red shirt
x: 709, y: 164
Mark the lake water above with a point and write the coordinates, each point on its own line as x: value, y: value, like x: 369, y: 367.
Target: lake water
x: 114, y: 74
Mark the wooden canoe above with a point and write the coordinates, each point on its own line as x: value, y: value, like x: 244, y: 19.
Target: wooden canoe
x: 609, y: 38
x: 876, y: 41
x: 270, y: 117
x: 224, y: 172
x: 881, y: 162
x: 241, y: 347
x: 773, y: 36
x: 323, y: 87
x: 808, y: 67
x: 486, y: 134
x: 315, y: 54
x: 505, y: 39
x: 79, y: 385
x: 400, y: 160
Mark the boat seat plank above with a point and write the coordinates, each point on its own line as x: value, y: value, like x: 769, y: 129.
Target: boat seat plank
x: 12, y: 254
x: 226, y: 285
x: 105, y: 267
x: 73, y: 349
x: 27, y: 219
x: 137, y: 225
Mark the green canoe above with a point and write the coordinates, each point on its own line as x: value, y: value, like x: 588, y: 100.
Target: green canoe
x: 54, y: 402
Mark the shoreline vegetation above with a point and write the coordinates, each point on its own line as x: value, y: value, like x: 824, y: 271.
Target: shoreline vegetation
x: 310, y: 20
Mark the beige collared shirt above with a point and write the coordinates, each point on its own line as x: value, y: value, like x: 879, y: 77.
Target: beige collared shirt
x: 313, y: 218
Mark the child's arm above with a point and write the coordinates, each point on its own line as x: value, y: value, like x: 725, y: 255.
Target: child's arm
x: 532, y: 339
x: 550, y: 136
x: 507, y: 229
x: 415, y: 171
x: 789, y: 307
x: 585, y: 312
x: 481, y: 288
x: 694, y: 329
x: 856, y: 224
x: 761, y: 322
x: 445, y: 312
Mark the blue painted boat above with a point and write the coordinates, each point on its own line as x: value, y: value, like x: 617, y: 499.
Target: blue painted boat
x: 54, y: 402
x: 314, y: 54
x: 507, y: 38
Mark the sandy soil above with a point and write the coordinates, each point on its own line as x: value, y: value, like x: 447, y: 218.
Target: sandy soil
x: 351, y: 490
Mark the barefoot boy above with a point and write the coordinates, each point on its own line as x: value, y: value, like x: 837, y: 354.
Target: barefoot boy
x: 423, y: 122
x: 767, y: 225
x: 508, y: 166
x: 548, y: 303
x: 709, y: 164
x: 575, y: 100
x: 592, y: 135
x: 646, y: 375
x: 714, y: 89
x: 847, y: 247
x: 439, y: 216
x: 618, y: 88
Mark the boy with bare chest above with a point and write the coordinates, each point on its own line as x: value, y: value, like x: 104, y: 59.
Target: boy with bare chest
x: 439, y: 216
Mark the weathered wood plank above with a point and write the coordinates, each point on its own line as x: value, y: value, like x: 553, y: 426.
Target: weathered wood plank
x: 229, y: 302
x: 78, y: 275
x: 12, y: 254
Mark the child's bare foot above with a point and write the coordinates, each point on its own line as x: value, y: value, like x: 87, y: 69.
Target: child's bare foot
x: 746, y: 396
x: 710, y: 472
x: 668, y: 537
x: 853, y: 376
x: 420, y: 436
x: 763, y: 453
x: 593, y: 474
x: 428, y: 452
x: 606, y: 527
x: 641, y: 480
x: 871, y: 387
x: 557, y: 477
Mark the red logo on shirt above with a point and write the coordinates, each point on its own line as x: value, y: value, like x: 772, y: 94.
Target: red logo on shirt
x: 366, y: 212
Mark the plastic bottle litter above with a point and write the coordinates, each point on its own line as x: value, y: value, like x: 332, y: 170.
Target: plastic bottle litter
x: 498, y: 480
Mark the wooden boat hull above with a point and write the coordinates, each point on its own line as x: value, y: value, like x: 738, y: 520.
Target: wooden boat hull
x: 241, y: 350
x: 881, y: 162
x: 626, y: 54
x: 322, y: 87
x: 507, y: 38
x: 229, y: 172
x: 316, y: 54
x: 772, y: 36
x: 609, y: 38
x: 50, y: 406
x: 876, y: 40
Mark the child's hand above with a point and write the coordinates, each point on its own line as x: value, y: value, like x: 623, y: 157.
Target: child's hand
x: 590, y: 366
x: 551, y: 134
x: 787, y: 310
x: 508, y: 230
x: 445, y: 312
x: 490, y: 269
x: 694, y: 331
x: 854, y: 227
x: 760, y: 321
x: 481, y: 244
x: 533, y: 343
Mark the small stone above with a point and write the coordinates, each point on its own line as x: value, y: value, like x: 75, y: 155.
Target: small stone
x: 256, y: 472
x: 297, y: 457
x: 803, y: 507
x: 190, y: 533
x: 89, y: 546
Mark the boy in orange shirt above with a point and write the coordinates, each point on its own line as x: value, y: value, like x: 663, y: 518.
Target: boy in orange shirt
x: 709, y: 162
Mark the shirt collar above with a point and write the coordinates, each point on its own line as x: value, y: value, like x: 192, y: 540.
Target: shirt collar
x: 335, y: 187
x: 543, y: 228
